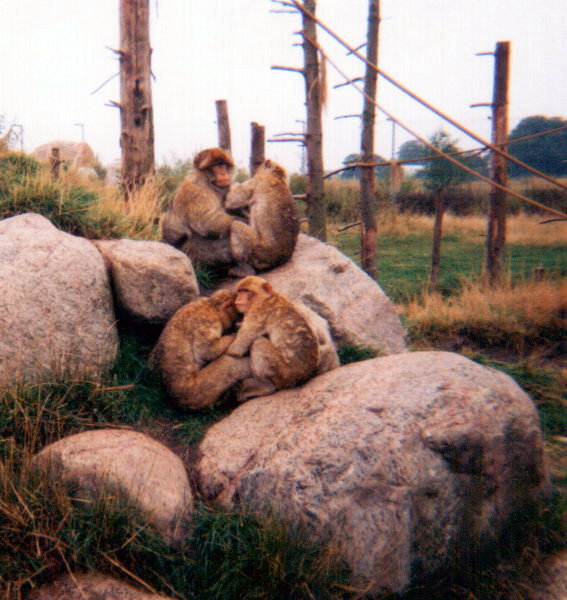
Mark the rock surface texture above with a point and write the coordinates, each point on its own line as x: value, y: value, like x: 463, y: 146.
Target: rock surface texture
x: 151, y: 280
x: 356, y: 308
x: 147, y: 472
x: 56, y: 310
x: 402, y: 460
x: 90, y: 587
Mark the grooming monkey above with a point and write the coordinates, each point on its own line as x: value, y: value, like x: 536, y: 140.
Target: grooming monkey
x: 283, y: 347
x: 196, y: 221
x: 269, y: 240
x: 193, y: 337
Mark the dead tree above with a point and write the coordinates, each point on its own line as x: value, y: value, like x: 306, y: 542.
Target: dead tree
x: 136, y: 110
x: 496, y: 236
x: 258, y: 148
x: 223, y: 125
x: 314, y: 94
x: 367, y: 178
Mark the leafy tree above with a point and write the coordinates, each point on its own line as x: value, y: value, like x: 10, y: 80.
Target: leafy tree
x: 547, y: 153
x: 354, y: 173
x: 413, y: 149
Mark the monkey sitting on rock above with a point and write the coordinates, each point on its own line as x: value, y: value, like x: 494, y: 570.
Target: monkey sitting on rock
x: 270, y: 238
x: 196, y: 221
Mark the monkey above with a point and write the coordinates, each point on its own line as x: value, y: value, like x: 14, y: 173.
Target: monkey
x: 283, y: 348
x: 193, y: 338
x: 196, y: 221
x: 270, y: 238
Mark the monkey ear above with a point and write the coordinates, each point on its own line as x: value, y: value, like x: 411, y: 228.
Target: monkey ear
x: 268, y: 163
x: 268, y: 288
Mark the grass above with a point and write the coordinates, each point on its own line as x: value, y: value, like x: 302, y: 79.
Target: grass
x: 45, y: 530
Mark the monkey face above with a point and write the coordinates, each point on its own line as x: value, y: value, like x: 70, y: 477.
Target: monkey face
x: 243, y: 300
x: 220, y: 175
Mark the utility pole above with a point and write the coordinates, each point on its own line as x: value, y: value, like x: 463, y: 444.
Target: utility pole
x: 136, y: 110
x: 368, y: 208
x: 496, y: 236
x: 223, y: 125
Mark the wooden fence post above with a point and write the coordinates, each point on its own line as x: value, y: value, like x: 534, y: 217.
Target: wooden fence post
x: 223, y: 125
x: 258, y: 148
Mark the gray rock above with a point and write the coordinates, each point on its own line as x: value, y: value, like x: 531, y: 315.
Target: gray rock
x: 354, y: 305
x: 56, y: 311
x: 146, y: 471
x: 401, y: 461
x: 75, y: 154
x: 151, y: 280
x: 90, y: 587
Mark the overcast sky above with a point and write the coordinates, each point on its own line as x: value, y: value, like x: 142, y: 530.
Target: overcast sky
x: 54, y: 54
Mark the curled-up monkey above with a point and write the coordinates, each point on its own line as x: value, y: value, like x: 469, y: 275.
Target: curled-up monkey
x: 189, y: 353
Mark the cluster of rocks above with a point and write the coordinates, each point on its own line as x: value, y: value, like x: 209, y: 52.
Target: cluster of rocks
x: 402, y: 461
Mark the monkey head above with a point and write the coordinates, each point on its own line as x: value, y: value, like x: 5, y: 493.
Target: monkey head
x: 274, y: 169
x: 217, y: 164
x: 223, y: 301
x: 250, y: 291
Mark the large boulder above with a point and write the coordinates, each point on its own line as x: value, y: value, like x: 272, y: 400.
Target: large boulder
x: 355, y: 307
x: 56, y: 310
x: 403, y: 461
x: 146, y: 471
x: 92, y: 586
x: 74, y: 154
x: 151, y: 280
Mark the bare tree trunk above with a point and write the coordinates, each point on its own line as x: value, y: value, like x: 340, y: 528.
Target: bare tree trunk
x: 258, y: 146
x: 136, y: 110
x: 223, y: 125
x: 54, y: 162
x: 437, y: 233
x: 367, y: 179
x: 496, y: 237
x: 314, y: 90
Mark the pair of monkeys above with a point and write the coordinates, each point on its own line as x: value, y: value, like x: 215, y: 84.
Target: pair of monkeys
x: 249, y: 227
x: 274, y: 348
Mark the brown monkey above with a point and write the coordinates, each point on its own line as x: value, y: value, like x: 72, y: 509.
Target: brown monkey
x: 196, y: 221
x: 284, y: 350
x: 270, y: 238
x: 192, y: 338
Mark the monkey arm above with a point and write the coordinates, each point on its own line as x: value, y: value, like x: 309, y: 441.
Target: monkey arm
x: 219, y: 347
x: 239, y: 195
x: 248, y: 332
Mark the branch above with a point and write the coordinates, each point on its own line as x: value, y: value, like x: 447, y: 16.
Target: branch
x: 297, y: 140
x: 348, y: 117
x: 104, y: 83
x: 294, y: 69
x: 349, y: 226
x: 355, y: 79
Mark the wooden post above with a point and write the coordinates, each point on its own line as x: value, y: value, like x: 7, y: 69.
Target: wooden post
x: 439, y: 201
x: 258, y: 147
x: 136, y: 110
x: 314, y: 90
x: 368, y: 207
x: 223, y: 125
x: 496, y: 236
x: 54, y: 162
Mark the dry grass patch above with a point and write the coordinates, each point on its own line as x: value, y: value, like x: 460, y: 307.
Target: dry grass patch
x: 528, y: 312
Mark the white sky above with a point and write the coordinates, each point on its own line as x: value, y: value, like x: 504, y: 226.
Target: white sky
x: 53, y: 55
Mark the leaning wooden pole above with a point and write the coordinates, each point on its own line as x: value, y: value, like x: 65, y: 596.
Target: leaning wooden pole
x: 496, y: 236
x: 223, y: 124
x: 136, y: 110
x: 314, y: 94
x: 368, y: 207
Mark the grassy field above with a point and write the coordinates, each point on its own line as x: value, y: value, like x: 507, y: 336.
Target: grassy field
x: 44, y: 531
